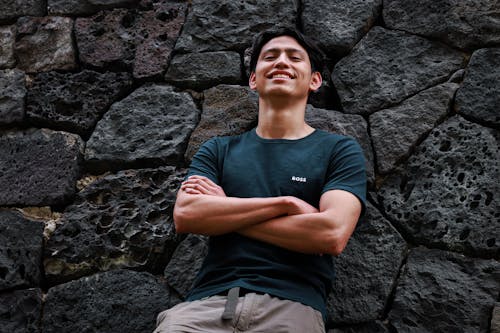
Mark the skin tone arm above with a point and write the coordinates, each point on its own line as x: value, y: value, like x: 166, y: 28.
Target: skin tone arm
x: 304, y: 228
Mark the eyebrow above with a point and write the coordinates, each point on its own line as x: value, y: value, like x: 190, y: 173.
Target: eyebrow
x: 287, y: 50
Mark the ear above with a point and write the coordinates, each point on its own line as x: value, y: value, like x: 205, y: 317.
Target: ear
x: 252, y: 82
x: 316, y: 81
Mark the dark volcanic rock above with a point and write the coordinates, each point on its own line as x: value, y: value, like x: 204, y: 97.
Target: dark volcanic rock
x: 74, y: 101
x: 345, y: 124
x: 386, y: 67
x: 152, y: 124
x: 201, y: 70
x: 79, y: 7
x: 478, y: 96
x: 338, y: 25
x: 397, y: 130
x: 366, y: 271
x: 12, y: 94
x: 232, y: 25
x: 227, y: 110
x: 448, y: 194
x: 122, y: 220
x: 112, y: 302
x: 21, y: 243
x: 185, y: 263
x: 38, y: 167
x: 460, y: 23
x: 7, y: 42
x: 15, y: 8
x: 445, y: 292
x: 122, y: 38
x: 45, y: 43
x: 372, y: 327
x: 20, y: 311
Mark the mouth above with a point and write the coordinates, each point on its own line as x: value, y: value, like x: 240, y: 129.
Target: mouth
x: 280, y: 75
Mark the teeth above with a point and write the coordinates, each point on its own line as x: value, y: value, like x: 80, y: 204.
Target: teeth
x: 284, y: 76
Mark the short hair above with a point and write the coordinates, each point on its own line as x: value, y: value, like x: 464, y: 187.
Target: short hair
x: 316, y: 55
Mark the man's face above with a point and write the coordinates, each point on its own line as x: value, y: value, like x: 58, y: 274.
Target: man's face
x: 284, y: 69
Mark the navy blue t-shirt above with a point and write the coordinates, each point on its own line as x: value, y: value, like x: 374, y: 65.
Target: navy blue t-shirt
x: 247, y: 166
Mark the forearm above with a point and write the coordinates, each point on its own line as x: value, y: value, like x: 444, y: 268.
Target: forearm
x: 215, y: 215
x: 315, y: 233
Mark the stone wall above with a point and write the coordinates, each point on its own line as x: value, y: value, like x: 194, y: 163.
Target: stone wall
x: 104, y: 102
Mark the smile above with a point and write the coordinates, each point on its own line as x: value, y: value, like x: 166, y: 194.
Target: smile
x: 280, y: 76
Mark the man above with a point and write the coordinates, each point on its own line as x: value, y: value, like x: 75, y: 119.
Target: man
x: 276, y: 201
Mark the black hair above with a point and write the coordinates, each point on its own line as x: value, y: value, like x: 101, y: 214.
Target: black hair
x: 316, y: 55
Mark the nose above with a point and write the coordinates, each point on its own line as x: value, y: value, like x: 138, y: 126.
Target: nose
x: 282, y: 60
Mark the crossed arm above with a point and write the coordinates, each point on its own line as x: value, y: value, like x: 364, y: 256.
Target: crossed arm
x: 202, y: 207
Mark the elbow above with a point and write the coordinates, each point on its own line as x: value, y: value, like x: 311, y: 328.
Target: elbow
x: 181, y: 220
x: 335, y: 244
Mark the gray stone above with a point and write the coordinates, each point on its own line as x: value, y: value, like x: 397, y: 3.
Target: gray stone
x: 141, y: 41
x: 386, y: 67
x: 112, y: 302
x: 12, y: 94
x: 45, y: 43
x: 459, y: 23
x: 12, y: 9
x: 7, y: 41
x: 82, y: 7
x: 122, y: 220
x: 338, y: 25
x: 185, y: 263
x: 478, y: 96
x: 372, y: 327
x: 447, y: 196
x: 344, y: 124
x: 202, y: 70
x: 21, y: 243
x: 396, y: 131
x: 74, y: 101
x: 152, y: 124
x: 445, y: 292
x: 21, y: 311
x: 366, y: 271
x: 38, y: 167
x: 232, y: 25
x: 227, y: 110
x: 495, y: 319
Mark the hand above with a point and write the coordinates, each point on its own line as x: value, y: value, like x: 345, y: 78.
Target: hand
x: 201, y: 185
x: 298, y: 206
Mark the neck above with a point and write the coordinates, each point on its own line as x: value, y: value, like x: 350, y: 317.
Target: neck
x: 283, y: 120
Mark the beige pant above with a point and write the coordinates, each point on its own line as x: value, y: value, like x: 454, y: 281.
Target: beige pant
x: 254, y: 313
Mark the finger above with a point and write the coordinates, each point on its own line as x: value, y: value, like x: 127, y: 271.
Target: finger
x: 204, y: 179
x: 195, y: 187
x: 205, y: 182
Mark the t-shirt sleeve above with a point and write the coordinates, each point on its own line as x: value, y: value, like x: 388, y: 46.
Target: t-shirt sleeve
x: 205, y: 162
x: 346, y: 170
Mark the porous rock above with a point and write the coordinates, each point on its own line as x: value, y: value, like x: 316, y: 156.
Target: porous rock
x: 344, y: 124
x: 442, y: 291
x: 21, y: 243
x: 227, y: 110
x: 366, y: 271
x: 202, y: 70
x: 7, y: 41
x: 120, y: 220
x: 151, y: 125
x: 447, y: 195
x: 45, y: 43
x: 82, y: 7
x: 12, y: 94
x: 478, y: 96
x: 396, y: 131
x: 12, y: 9
x: 20, y: 311
x: 338, y: 25
x: 459, y: 23
x: 113, y: 302
x: 74, y: 101
x: 386, y: 67
x: 185, y: 263
x: 38, y: 167
x: 232, y: 25
x: 371, y: 327
x: 131, y: 39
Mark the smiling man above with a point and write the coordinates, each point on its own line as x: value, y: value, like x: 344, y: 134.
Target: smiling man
x: 276, y: 201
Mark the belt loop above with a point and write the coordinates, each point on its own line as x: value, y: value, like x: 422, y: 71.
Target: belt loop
x: 231, y: 302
